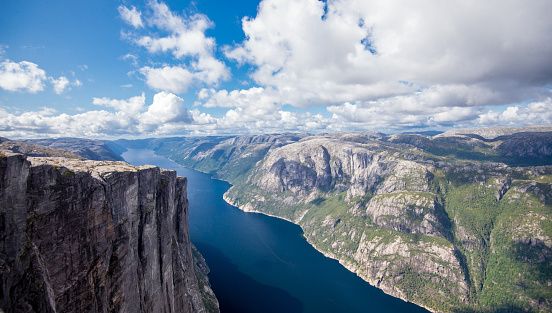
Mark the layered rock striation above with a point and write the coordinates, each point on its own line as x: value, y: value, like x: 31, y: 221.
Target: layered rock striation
x: 96, y: 236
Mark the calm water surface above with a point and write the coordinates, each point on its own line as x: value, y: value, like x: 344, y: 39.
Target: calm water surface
x: 261, y: 264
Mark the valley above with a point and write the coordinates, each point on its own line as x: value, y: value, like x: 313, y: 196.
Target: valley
x: 437, y: 221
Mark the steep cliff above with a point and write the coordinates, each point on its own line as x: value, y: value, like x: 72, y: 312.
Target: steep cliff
x: 91, y: 236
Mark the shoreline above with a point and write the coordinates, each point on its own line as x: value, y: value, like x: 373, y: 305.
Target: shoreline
x: 325, y: 254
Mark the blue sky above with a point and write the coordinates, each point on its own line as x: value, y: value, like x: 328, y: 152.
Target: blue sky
x: 158, y: 68
x: 82, y: 39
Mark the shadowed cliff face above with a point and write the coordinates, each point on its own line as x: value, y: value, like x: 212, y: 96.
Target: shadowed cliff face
x: 89, y: 236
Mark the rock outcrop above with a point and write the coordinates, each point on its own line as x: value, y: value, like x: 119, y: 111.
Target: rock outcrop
x: 96, y: 236
x: 99, y: 150
x: 34, y: 150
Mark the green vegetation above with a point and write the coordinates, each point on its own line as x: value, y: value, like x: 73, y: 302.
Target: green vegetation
x: 502, y: 271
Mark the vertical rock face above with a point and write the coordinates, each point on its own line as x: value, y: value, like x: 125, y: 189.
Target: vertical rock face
x: 89, y: 236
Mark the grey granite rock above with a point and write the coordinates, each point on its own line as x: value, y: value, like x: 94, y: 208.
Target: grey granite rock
x: 91, y: 236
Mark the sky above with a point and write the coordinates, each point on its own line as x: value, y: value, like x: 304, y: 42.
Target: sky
x: 147, y: 68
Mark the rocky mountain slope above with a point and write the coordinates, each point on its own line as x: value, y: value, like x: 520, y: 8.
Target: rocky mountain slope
x: 517, y: 149
x: 453, y: 223
x: 226, y: 157
x: 30, y: 149
x: 494, y: 132
x: 96, y: 236
x: 100, y: 150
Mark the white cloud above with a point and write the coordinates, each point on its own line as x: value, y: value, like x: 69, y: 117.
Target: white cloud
x: 131, y: 16
x: 131, y: 105
x: 535, y: 113
x: 166, y: 115
x: 27, y: 76
x: 210, y: 70
x: 381, y: 64
x: 386, y: 64
x: 60, y: 84
x: 454, y: 114
x: 432, y: 106
x: 166, y: 108
x: 125, y: 117
x: 186, y: 38
x: 129, y: 57
x: 438, y: 106
x: 256, y: 101
x: 63, y: 84
x: 186, y: 41
x: 254, y: 110
x: 486, y: 44
x: 21, y: 76
x: 170, y: 78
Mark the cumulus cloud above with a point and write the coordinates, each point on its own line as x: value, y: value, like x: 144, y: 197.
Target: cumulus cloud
x: 165, y: 115
x: 535, y: 113
x: 388, y: 115
x: 166, y: 108
x: 355, y: 50
x: 131, y: 16
x: 184, y: 38
x: 325, y: 66
x: 434, y: 106
x: 255, y: 110
x: 28, y: 77
x: 257, y: 101
x: 21, y: 76
x: 387, y: 64
x: 170, y: 78
x: 132, y: 105
x: 60, y: 84
x: 63, y: 84
x: 122, y: 117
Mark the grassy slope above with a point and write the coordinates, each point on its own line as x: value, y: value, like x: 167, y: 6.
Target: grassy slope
x: 505, y: 274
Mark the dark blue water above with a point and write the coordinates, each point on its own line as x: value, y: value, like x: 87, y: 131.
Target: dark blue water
x: 261, y: 264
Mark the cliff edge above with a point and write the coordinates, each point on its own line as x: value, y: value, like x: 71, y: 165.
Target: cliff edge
x: 96, y: 236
